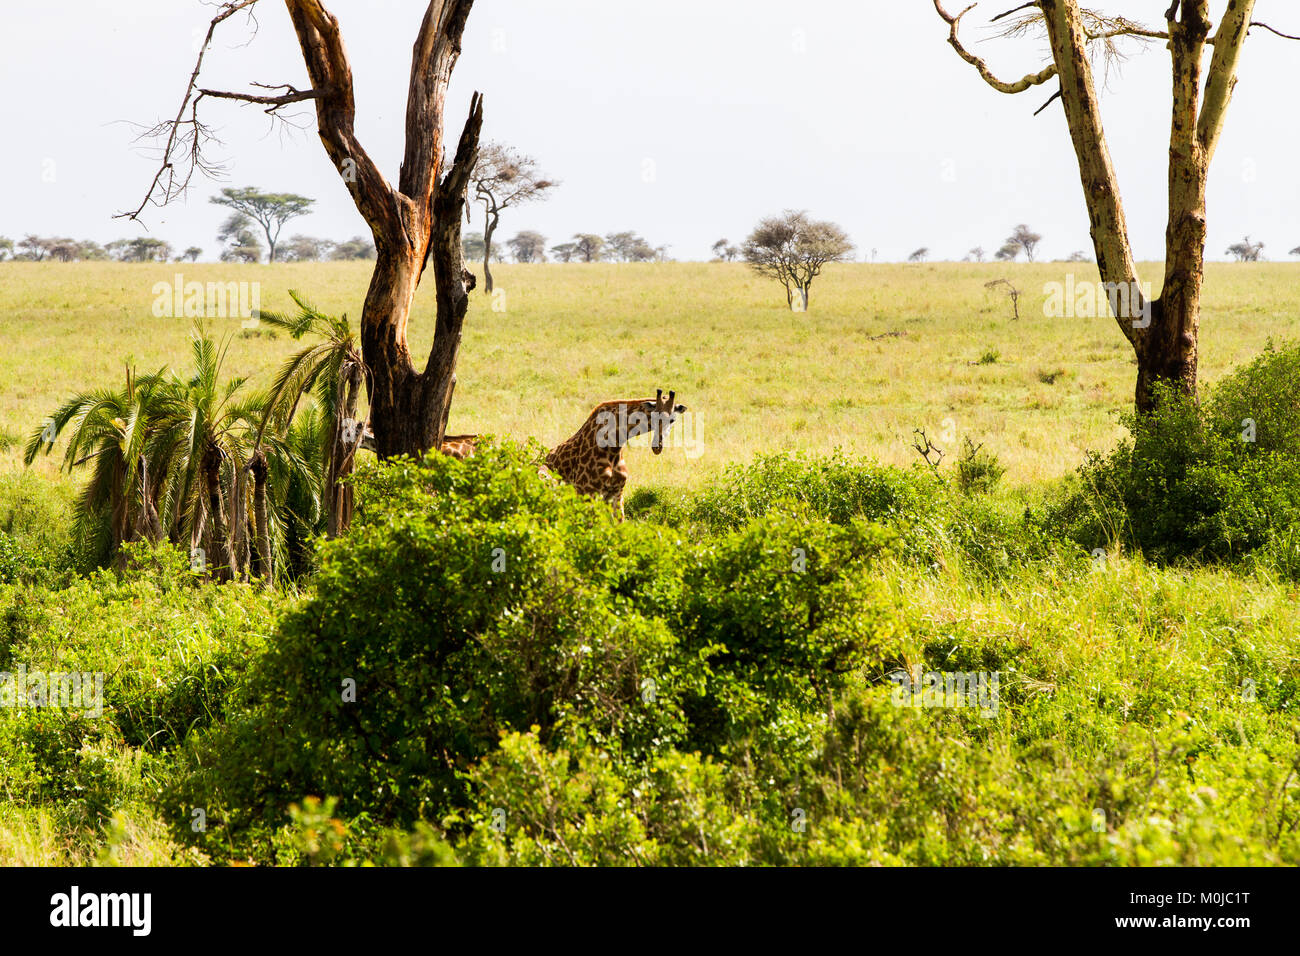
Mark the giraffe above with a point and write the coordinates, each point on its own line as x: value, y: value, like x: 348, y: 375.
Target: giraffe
x: 592, y: 460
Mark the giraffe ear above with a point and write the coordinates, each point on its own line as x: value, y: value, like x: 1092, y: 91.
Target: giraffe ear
x: 679, y: 409
x: 648, y: 406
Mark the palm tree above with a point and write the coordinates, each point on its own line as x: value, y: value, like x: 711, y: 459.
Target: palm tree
x: 112, y: 429
x: 201, y: 445
x: 192, y: 460
x: 333, y: 371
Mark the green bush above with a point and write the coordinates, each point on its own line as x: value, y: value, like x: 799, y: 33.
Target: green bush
x: 1216, y: 481
x: 474, y: 599
x: 36, y: 544
x: 469, y: 599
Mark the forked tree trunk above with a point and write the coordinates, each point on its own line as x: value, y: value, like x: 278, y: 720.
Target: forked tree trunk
x: 414, y: 225
x: 1163, y: 332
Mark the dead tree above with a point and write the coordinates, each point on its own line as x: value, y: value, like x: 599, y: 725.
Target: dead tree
x: 1163, y: 332
x: 415, y: 224
x: 1012, y: 292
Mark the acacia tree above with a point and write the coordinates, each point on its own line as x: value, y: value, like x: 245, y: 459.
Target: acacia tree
x: 1163, y: 332
x: 269, y: 210
x: 792, y: 249
x: 1246, y: 251
x: 242, y: 244
x: 415, y: 223
x: 588, y: 247
x: 528, y: 246
x: 1024, y: 238
x: 504, y: 177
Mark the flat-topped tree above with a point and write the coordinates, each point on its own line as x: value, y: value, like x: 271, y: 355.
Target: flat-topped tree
x: 415, y: 223
x: 269, y: 210
x: 1163, y: 332
x: 792, y: 248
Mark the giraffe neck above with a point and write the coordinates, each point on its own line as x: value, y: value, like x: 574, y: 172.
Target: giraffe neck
x: 611, y: 424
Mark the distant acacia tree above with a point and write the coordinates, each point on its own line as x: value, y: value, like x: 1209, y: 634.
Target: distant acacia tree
x: 977, y: 254
x: 139, y: 249
x: 6, y: 248
x: 504, y: 177
x: 33, y: 248
x: 192, y: 253
x: 240, y: 241
x: 565, y: 251
x: 1008, y: 252
x: 1293, y: 252
x: 302, y: 248
x: 588, y: 247
x: 792, y: 249
x: 724, y: 250
x: 919, y: 255
x: 528, y: 246
x: 1025, y: 239
x: 269, y: 210
x: 627, y: 247
x: 1246, y: 251
x: 63, y: 249
x: 358, y: 247
x: 471, y: 243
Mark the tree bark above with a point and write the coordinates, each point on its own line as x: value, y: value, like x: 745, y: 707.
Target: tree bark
x: 343, y: 450
x: 1163, y: 333
x: 219, y: 560
x: 414, y: 224
x: 261, y: 518
x: 490, y: 220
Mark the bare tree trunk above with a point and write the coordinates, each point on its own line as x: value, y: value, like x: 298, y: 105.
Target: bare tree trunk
x: 417, y: 222
x: 1167, y: 351
x: 490, y: 220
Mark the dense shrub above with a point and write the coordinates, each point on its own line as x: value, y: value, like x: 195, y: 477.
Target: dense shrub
x: 35, y: 540
x: 1217, y: 480
x: 478, y: 598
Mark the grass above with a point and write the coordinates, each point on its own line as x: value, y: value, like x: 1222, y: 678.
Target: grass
x: 883, y: 350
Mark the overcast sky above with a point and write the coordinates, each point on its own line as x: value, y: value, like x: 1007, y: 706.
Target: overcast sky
x: 684, y: 120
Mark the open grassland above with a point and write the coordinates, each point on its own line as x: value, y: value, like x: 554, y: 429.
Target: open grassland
x: 1144, y: 641
x: 884, y: 349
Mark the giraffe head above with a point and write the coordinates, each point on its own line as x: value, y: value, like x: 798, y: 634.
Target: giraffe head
x: 661, y: 413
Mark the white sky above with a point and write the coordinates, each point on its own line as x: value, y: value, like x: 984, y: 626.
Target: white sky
x: 856, y: 110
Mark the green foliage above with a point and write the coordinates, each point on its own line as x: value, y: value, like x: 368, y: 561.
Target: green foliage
x: 978, y: 470
x: 1218, y: 480
x: 478, y: 598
